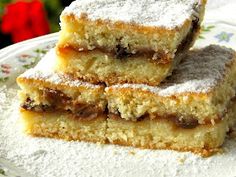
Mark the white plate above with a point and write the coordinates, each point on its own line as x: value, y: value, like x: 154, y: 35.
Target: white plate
x: 21, y: 155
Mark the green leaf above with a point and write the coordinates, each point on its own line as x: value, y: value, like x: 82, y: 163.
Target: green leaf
x: 40, y: 51
x: 28, y: 66
x: 207, y: 28
x: 211, y: 26
x: 201, y: 37
x: 2, y: 172
x: 3, y: 79
x: 53, y: 9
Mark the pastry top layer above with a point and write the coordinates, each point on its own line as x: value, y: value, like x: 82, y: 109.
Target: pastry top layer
x: 199, y: 72
x: 44, y: 71
x: 157, y: 13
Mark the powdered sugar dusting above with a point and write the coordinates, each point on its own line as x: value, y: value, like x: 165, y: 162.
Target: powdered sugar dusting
x: 45, y: 71
x: 158, y: 13
x: 199, y: 72
x: 44, y: 157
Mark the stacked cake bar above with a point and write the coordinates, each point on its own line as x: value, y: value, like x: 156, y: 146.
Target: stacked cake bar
x: 58, y: 106
x: 122, y: 73
x: 126, y: 41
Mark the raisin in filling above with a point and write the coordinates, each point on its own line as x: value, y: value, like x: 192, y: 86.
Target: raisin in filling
x: 189, y: 123
x: 121, y: 52
x: 58, y: 101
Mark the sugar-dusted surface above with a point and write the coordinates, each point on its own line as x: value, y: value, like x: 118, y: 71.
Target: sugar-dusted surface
x: 44, y: 71
x: 158, y: 13
x: 199, y: 72
x: 48, y: 157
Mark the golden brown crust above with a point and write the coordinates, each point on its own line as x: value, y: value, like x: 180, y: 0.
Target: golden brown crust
x: 202, y: 152
x: 66, y: 138
x: 129, y: 26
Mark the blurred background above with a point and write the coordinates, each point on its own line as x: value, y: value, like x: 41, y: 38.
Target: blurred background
x: 26, y: 19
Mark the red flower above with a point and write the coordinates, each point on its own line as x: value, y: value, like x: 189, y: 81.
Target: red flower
x: 25, y: 20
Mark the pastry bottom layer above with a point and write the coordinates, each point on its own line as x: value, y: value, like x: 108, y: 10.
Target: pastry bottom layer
x: 162, y: 134
x: 151, y: 134
x: 100, y: 67
x: 64, y: 126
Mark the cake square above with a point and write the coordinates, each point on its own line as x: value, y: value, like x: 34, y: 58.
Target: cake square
x: 163, y: 133
x: 116, y: 41
x: 44, y: 87
x: 198, y: 92
x: 56, y: 105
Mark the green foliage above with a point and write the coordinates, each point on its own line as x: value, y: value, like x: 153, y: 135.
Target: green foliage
x: 53, y: 9
x: 2, y: 172
x: 2, y: 4
x: 205, y: 29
